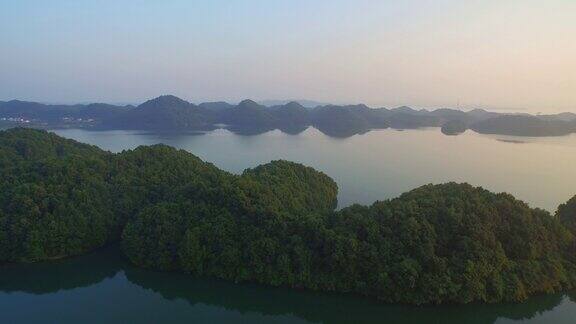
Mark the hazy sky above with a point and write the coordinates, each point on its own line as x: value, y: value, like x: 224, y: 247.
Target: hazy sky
x: 486, y: 53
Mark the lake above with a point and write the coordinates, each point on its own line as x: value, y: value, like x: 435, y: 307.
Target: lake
x: 382, y: 164
x: 102, y: 287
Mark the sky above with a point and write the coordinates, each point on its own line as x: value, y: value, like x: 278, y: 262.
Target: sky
x: 494, y: 54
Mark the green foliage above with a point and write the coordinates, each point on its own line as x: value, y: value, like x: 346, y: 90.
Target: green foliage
x: 567, y: 214
x: 53, y: 197
x: 436, y: 244
x: 276, y: 224
x: 299, y: 189
x: 457, y: 243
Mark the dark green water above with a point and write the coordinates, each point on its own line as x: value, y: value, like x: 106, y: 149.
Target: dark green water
x: 103, y: 288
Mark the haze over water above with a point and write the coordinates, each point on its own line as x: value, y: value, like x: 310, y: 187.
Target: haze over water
x: 514, y: 54
x: 383, y: 164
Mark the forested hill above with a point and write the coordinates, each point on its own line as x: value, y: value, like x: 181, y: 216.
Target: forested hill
x: 276, y: 224
x: 169, y: 113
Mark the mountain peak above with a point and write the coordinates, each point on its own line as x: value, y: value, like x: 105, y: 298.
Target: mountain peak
x: 294, y: 104
x: 404, y: 109
x: 165, y: 101
x: 249, y: 104
x: 478, y: 110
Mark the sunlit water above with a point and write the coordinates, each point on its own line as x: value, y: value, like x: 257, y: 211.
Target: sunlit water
x: 103, y: 288
x: 382, y: 164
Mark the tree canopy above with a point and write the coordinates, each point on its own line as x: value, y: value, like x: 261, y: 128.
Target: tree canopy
x: 277, y: 224
x: 54, y: 196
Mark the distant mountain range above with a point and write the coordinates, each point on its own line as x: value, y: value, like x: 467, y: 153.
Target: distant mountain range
x: 304, y: 102
x: 170, y: 113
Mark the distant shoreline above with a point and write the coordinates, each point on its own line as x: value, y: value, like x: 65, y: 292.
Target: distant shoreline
x: 171, y: 114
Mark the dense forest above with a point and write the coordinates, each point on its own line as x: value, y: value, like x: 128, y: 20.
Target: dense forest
x: 54, y: 196
x: 170, y: 113
x: 277, y: 224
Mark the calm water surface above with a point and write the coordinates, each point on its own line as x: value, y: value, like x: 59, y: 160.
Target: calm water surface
x: 382, y: 164
x: 103, y: 288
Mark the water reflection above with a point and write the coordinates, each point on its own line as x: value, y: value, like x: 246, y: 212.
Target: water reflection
x: 383, y: 164
x: 327, y: 308
x: 68, y: 274
x: 86, y: 275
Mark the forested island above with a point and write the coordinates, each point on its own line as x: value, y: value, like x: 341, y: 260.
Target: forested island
x: 276, y: 224
x: 172, y: 114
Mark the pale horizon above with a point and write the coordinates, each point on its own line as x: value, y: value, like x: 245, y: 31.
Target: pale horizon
x: 495, y: 55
